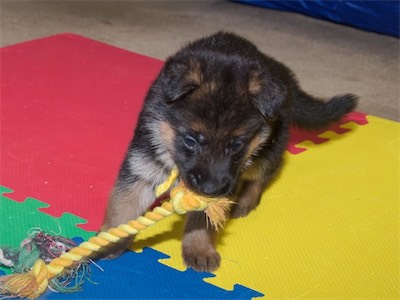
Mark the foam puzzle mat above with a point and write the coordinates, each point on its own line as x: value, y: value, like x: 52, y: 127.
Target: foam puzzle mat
x: 327, y: 227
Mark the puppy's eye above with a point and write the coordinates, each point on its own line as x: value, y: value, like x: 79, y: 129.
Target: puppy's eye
x: 190, y: 143
x: 236, y: 146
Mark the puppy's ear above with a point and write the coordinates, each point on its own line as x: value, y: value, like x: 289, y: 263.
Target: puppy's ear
x: 266, y: 94
x: 181, y: 78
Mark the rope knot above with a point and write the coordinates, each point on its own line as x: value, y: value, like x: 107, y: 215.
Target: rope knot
x: 184, y: 200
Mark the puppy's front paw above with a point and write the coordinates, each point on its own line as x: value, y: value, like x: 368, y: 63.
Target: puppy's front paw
x: 203, y: 260
x: 241, y: 210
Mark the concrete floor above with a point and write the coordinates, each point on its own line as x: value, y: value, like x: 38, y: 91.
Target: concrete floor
x: 328, y: 58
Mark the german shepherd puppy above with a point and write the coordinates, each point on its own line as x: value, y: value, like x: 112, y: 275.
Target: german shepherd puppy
x: 220, y: 112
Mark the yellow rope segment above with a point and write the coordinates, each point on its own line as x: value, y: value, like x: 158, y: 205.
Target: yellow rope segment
x: 31, y: 285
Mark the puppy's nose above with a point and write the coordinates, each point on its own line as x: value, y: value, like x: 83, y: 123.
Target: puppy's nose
x: 214, y: 190
x: 211, y: 187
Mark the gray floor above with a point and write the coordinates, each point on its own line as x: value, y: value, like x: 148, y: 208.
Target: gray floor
x: 328, y: 58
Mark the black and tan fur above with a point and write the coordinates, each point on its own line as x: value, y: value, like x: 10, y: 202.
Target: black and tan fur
x: 220, y: 111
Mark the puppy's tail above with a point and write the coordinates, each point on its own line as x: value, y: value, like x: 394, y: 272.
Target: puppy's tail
x: 313, y: 113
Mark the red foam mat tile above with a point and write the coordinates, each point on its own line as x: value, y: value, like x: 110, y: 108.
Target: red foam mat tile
x: 69, y: 105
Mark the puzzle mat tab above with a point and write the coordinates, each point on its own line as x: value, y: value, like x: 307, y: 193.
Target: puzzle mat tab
x: 298, y: 135
x: 17, y: 219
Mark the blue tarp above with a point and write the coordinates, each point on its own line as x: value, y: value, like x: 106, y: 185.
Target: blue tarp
x: 377, y: 16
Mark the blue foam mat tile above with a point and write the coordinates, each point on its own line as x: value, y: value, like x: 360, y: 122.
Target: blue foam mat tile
x: 141, y: 276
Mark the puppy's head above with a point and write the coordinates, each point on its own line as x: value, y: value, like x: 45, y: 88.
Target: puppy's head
x: 221, y: 111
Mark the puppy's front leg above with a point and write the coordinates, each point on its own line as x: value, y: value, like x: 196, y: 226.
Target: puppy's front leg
x: 253, y: 183
x: 198, y: 243
x: 127, y: 202
x: 248, y: 198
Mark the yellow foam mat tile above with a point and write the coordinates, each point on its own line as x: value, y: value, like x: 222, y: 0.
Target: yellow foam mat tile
x: 328, y: 226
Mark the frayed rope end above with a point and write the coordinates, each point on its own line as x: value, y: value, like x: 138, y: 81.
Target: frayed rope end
x: 25, y: 285
x: 19, y: 286
x: 216, y: 212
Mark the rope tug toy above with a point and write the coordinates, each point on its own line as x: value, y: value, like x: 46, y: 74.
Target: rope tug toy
x: 36, y: 281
